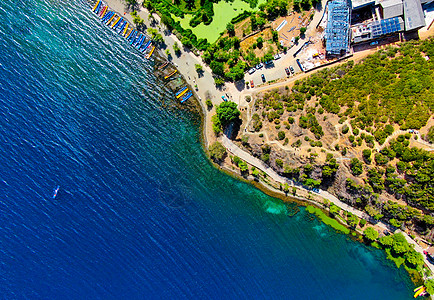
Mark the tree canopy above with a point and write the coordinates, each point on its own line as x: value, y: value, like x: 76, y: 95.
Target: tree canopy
x: 227, y: 112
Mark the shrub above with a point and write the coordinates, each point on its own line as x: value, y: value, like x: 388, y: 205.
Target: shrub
x: 356, y: 167
x: 227, y: 112
x: 370, y: 234
x: 217, y: 151
x: 281, y: 135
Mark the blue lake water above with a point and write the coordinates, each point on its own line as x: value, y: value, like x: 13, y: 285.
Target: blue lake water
x: 141, y: 213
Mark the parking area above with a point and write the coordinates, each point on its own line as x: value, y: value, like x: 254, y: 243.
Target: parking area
x: 273, y: 72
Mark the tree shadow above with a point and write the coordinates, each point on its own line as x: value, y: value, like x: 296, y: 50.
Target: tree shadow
x: 240, y: 85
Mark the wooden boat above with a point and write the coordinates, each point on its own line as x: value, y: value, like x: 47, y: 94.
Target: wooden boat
x: 115, y: 22
x: 182, y: 93
x: 150, y: 52
x: 167, y: 76
x: 186, y: 97
x: 126, y: 28
x: 96, y: 5
x: 163, y: 65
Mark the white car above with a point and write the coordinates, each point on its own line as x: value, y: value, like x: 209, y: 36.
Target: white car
x: 277, y: 56
x: 259, y: 66
x: 252, y: 70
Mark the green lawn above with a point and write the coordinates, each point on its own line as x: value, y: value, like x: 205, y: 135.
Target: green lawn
x: 223, y: 13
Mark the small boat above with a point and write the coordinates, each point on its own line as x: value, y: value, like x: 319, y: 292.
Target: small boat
x: 126, y: 28
x: 180, y: 91
x: 141, y: 43
x: 132, y: 36
x: 163, y: 65
x: 167, y: 76
x: 103, y: 11
x: 137, y: 40
x: 146, y: 46
x: 107, y: 16
x: 115, y: 22
x: 118, y: 24
x: 420, y: 291
x: 418, y: 288
x: 127, y: 35
x: 121, y: 27
x: 96, y: 5
x: 186, y: 97
x: 55, y: 191
x: 150, y: 53
x: 111, y: 19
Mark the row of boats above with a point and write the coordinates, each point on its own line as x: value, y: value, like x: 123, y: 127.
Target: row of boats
x: 185, y: 93
x: 121, y: 26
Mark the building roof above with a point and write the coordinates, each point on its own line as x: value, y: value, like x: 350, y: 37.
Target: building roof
x: 413, y: 15
x: 338, y: 27
x: 392, y: 8
x: 355, y: 4
x: 388, y: 26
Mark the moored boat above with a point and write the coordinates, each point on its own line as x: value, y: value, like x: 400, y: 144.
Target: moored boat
x: 182, y: 93
x: 103, y: 11
x: 115, y: 22
x: 107, y: 16
x: 150, y: 53
x: 111, y: 19
x: 96, y: 5
x: 171, y: 74
x: 146, y: 46
x: 186, y: 97
x: 126, y: 28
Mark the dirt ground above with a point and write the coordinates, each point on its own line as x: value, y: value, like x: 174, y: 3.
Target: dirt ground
x: 292, y: 28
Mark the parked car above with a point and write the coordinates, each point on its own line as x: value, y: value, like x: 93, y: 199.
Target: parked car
x: 374, y: 43
x: 251, y: 84
x: 259, y: 66
x: 252, y: 70
x: 287, y: 71
x: 224, y: 98
x: 270, y: 62
x: 292, y: 70
x: 277, y: 56
x: 263, y: 77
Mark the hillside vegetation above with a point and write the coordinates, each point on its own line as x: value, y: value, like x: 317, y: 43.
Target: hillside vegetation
x: 358, y: 106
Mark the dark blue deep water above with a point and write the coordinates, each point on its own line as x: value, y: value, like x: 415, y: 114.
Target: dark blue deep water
x: 140, y: 213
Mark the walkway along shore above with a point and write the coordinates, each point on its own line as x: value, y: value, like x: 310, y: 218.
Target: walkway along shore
x: 185, y: 63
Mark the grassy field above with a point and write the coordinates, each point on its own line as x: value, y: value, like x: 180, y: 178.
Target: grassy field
x: 224, y: 12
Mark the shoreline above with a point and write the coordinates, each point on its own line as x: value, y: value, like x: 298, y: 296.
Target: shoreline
x: 184, y: 64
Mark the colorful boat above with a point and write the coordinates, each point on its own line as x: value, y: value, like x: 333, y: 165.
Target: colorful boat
x: 150, y: 53
x: 186, y: 97
x: 182, y: 93
x: 181, y: 90
x: 111, y: 19
x: 103, y: 11
x: 420, y: 291
x: 138, y: 39
x: 126, y: 28
x: 115, y: 22
x: 118, y: 24
x: 146, y: 46
x: 121, y: 27
x: 127, y: 36
x: 96, y: 5
x: 418, y: 288
x: 141, y: 43
x: 132, y: 36
x: 167, y: 76
x: 107, y: 16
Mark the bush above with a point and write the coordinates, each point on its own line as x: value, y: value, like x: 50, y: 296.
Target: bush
x: 208, y: 103
x: 362, y: 222
x: 356, y: 167
x: 370, y: 234
x: 281, y: 135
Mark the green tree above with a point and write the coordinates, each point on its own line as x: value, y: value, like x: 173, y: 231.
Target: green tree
x: 352, y: 220
x: 429, y: 284
x: 198, y: 68
x: 386, y: 241
x: 415, y: 259
x: 208, y: 103
x: 259, y: 42
x: 371, y: 234
x: 334, y: 209
x: 430, y: 135
x: 217, y: 151
x: 243, y: 166
x: 230, y: 28
x: 281, y: 135
x: 176, y: 49
x: 400, y: 244
x: 303, y: 30
x: 356, y: 166
x: 227, y: 112
x: 367, y: 155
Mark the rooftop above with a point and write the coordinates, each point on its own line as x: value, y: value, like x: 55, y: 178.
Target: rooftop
x: 392, y: 8
x: 413, y: 15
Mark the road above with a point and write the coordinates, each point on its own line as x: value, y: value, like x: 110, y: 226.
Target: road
x: 259, y: 164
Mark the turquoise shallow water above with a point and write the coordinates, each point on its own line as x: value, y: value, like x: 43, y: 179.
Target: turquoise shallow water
x: 140, y: 213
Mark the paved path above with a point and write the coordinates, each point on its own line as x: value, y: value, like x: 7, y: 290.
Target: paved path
x: 259, y: 164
